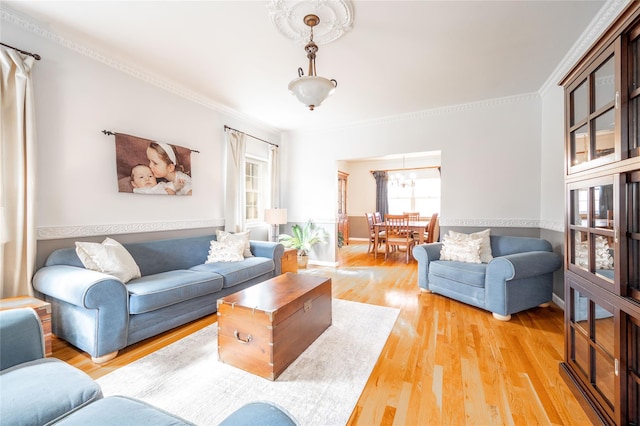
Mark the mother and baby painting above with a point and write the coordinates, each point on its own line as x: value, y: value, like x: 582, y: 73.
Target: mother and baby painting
x: 149, y: 167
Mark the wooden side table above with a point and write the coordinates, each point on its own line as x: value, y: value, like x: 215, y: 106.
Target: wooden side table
x: 43, y: 309
x: 290, y: 261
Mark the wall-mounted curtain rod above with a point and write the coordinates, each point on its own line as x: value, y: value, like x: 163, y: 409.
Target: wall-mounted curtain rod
x: 261, y: 140
x: 110, y: 133
x: 408, y: 168
x: 24, y: 52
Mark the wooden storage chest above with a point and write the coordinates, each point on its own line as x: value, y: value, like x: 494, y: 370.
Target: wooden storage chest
x: 264, y: 328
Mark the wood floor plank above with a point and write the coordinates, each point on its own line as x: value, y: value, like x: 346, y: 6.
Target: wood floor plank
x: 445, y: 363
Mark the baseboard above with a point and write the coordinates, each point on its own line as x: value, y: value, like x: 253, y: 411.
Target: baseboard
x: 556, y: 299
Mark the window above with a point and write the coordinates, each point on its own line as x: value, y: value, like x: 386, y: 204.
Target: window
x: 419, y: 193
x: 255, y: 188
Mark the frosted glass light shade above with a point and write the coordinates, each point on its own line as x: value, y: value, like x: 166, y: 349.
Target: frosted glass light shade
x: 311, y: 90
x: 275, y: 216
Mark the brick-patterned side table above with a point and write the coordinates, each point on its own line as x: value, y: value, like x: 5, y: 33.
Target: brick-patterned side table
x: 43, y: 309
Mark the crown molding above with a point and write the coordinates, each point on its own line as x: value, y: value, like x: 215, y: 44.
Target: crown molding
x: 605, y: 17
x: 6, y: 14
x: 57, y: 232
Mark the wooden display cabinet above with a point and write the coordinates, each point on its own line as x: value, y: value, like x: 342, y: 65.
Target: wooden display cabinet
x: 602, y: 232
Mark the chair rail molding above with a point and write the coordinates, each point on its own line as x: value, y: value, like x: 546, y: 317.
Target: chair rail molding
x: 57, y: 232
x: 505, y: 223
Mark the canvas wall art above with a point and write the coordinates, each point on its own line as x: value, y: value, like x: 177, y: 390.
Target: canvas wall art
x: 150, y: 167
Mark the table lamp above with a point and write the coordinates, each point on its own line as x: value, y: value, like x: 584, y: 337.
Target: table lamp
x: 275, y: 217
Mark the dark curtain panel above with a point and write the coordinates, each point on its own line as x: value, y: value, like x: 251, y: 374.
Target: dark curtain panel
x: 382, y: 201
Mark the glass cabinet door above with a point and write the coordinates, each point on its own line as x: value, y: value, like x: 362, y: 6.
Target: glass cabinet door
x: 633, y: 357
x: 592, y: 237
x: 632, y: 240
x: 592, y: 346
x: 593, y: 114
x: 634, y: 92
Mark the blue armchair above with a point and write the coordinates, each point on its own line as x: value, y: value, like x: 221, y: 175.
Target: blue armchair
x: 519, y: 277
x: 35, y: 390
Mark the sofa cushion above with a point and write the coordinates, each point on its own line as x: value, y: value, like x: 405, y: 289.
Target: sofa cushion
x: 39, y: 392
x: 156, y: 291
x: 121, y: 410
x: 472, y: 274
x: 238, y: 272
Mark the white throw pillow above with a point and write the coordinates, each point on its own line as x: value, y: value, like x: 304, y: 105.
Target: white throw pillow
x: 228, y: 251
x: 224, y: 236
x: 460, y: 250
x: 485, y: 242
x: 109, y: 257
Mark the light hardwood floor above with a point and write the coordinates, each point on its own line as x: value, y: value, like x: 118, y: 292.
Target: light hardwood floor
x: 445, y: 363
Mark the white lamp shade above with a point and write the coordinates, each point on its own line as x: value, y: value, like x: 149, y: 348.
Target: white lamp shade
x: 275, y: 216
x: 311, y: 90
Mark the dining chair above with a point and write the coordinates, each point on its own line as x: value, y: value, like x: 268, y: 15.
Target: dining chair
x: 398, y: 234
x: 372, y: 233
x: 433, y: 230
x: 413, y: 216
x: 377, y: 216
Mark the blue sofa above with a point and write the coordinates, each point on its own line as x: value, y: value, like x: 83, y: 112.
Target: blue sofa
x: 35, y: 390
x: 99, y: 314
x: 519, y: 277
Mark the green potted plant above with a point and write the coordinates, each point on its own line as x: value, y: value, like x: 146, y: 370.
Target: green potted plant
x: 303, y: 239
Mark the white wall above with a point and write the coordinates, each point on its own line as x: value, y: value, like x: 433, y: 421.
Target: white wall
x: 76, y: 97
x: 491, y: 160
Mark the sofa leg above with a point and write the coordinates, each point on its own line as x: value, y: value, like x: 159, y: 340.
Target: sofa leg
x: 425, y: 290
x: 104, y: 358
x: 501, y: 317
x: 544, y: 305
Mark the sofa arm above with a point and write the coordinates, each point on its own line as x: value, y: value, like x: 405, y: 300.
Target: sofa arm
x: 271, y: 250
x: 522, y: 265
x: 425, y: 253
x: 89, y: 309
x: 80, y: 287
x: 21, y: 338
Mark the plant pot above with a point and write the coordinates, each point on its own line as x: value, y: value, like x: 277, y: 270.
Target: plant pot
x: 302, y: 262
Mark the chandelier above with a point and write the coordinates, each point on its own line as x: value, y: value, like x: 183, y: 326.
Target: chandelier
x: 399, y: 179
x: 311, y: 90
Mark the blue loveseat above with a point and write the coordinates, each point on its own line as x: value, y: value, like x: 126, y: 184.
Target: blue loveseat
x: 99, y: 314
x: 519, y: 277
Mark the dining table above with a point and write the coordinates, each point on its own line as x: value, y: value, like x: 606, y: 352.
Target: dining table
x: 417, y: 226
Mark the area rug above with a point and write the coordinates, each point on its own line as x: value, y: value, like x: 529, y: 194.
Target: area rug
x: 321, y: 387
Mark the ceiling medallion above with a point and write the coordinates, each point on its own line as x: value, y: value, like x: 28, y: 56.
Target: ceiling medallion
x: 336, y: 18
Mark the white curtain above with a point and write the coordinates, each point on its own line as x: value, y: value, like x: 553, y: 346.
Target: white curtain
x: 235, y: 204
x: 274, y: 173
x: 17, y: 175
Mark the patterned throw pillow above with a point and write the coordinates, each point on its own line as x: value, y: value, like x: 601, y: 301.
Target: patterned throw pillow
x: 485, y: 245
x: 228, y: 251
x: 110, y: 257
x: 224, y: 236
x: 460, y: 250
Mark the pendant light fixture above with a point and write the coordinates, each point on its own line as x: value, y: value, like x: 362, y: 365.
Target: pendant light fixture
x: 311, y: 90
